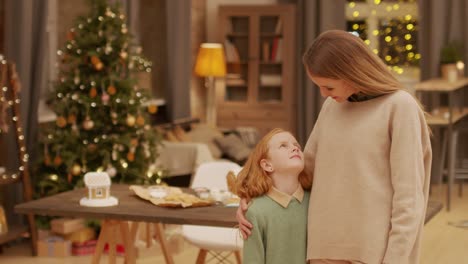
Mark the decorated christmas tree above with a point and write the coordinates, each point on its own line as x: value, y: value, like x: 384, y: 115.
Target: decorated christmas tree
x: 102, y: 123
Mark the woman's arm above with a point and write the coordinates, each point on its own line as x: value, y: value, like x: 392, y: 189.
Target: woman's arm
x: 410, y: 156
x: 245, y: 226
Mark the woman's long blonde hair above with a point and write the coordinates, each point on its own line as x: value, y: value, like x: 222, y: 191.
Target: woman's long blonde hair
x: 337, y: 54
x: 252, y: 180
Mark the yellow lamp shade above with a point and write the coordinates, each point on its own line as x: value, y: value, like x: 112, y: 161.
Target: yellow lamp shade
x: 210, y: 60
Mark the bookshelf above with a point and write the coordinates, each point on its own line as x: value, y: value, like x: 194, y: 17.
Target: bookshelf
x: 259, y: 88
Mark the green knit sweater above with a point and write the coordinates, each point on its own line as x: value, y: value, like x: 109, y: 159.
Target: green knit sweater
x: 279, y: 234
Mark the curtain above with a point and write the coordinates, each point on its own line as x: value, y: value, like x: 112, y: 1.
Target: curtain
x: 26, y: 45
x: 177, y: 71
x: 178, y: 59
x: 313, y: 17
x: 440, y: 23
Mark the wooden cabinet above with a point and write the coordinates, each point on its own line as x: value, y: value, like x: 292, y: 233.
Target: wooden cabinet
x: 259, y: 89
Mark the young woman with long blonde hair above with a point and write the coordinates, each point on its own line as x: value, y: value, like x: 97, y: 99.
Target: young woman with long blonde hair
x: 369, y: 155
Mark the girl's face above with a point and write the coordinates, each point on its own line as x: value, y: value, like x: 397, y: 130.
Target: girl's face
x: 336, y: 89
x: 284, y: 155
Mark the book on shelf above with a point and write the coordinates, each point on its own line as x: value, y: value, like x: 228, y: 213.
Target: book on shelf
x: 270, y: 79
x: 276, y: 49
x: 265, y: 51
x: 233, y: 79
x: 279, y: 26
x: 232, y: 54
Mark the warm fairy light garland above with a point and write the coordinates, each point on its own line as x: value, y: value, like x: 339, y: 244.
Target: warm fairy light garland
x: 14, y: 104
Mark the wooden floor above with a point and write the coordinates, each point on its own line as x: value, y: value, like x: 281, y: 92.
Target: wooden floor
x: 443, y: 243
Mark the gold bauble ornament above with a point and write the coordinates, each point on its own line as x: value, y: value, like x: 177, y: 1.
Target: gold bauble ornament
x: 99, y: 66
x: 76, y: 169
x: 140, y: 121
x: 95, y: 60
x: 152, y: 109
x: 131, y: 120
x: 61, y: 121
x: 123, y: 55
x: 88, y: 123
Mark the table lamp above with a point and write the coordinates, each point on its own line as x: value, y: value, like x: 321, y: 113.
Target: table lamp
x: 210, y: 63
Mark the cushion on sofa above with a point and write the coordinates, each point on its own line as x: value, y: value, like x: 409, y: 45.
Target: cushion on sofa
x: 233, y: 146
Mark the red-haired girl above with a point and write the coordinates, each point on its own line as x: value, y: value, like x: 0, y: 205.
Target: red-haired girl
x: 273, y: 179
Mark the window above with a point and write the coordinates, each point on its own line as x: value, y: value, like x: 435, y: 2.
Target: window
x: 390, y: 28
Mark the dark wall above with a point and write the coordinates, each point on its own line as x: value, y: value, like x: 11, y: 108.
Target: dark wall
x: 2, y: 25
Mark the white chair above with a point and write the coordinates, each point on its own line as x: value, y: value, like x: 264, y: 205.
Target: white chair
x: 219, y: 242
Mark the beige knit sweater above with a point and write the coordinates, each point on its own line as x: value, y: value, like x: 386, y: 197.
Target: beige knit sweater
x: 371, y: 164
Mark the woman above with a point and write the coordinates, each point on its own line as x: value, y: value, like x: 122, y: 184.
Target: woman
x: 369, y: 155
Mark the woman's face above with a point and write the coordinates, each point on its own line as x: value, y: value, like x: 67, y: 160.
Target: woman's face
x: 336, y: 89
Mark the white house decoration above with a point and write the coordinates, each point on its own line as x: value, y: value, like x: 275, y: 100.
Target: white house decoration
x: 98, y: 185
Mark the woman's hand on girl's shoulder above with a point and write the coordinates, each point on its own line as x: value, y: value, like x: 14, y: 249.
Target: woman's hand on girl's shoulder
x: 244, y: 225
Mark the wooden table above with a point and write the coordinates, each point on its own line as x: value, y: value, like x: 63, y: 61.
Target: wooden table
x: 445, y: 117
x: 130, y: 208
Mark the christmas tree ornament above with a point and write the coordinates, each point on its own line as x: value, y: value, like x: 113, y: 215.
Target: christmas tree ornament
x: 105, y: 98
x: 108, y: 12
x: 124, y: 29
x: 58, y: 160
x: 61, y: 122
x: 130, y: 120
x: 131, y: 156
x: 138, y: 50
x: 123, y: 55
x: 76, y: 170
x: 71, y: 119
x: 92, y: 147
x: 134, y: 142
x: 140, y: 121
x: 108, y: 49
x: 88, y: 124
x: 97, y: 64
x: 114, y: 154
x: 47, y: 160
x: 112, y: 171
x: 71, y: 35
x: 76, y: 79
x: 152, y: 109
x: 111, y: 89
x: 93, y: 92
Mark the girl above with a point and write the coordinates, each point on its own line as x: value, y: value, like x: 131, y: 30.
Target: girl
x: 274, y: 180
x: 369, y: 155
